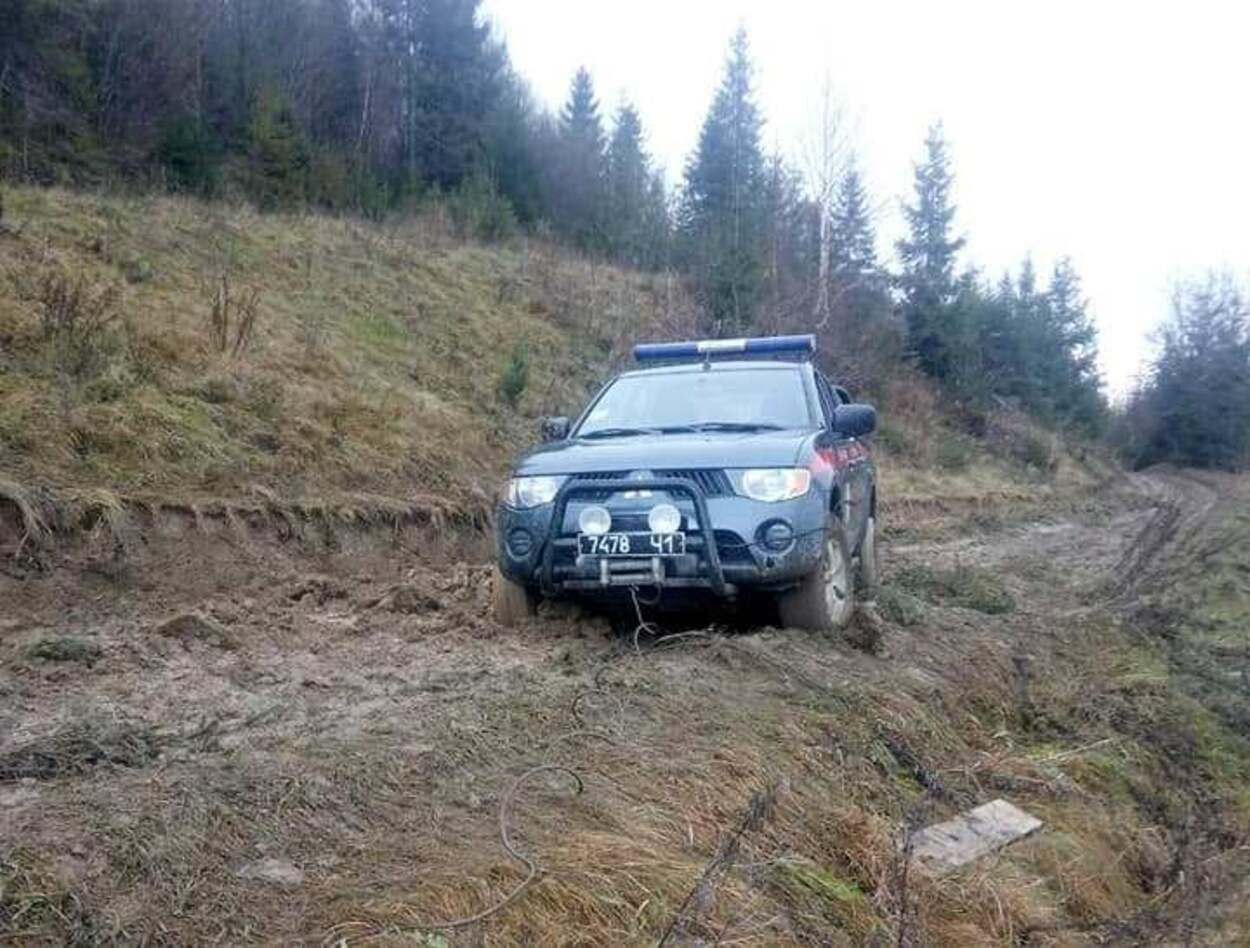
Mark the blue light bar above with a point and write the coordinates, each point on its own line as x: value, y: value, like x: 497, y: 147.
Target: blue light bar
x: 710, y: 348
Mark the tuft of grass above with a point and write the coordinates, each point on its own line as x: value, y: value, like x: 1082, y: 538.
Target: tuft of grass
x: 64, y: 648
x: 967, y: 586
x: 899, y: 606
x: 78, y: 747
x: 37, y: 908
x: 31, y: 517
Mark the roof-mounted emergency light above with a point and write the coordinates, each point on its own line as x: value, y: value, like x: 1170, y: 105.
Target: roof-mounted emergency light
x: 712, y: 348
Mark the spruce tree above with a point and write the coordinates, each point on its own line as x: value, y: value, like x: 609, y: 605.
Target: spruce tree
x: 859, y: 288
x: 854, y: 238
x: 722, y: 211
x: 578, y: 193
x: 629, y: 181
x: 930, y: 288
x: 279, y: 154
x: 1075, y: 375
x: 1197, y: 402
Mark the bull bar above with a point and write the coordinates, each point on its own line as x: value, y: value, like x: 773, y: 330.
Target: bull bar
x: 572, y: 488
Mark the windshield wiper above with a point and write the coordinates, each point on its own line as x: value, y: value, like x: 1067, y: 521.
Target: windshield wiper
x: 735, y: 426
x: 619, y: 432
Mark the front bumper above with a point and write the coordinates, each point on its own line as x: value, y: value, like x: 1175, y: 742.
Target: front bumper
x: 724, y: 548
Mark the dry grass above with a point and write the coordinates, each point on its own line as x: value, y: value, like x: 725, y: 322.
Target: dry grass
x: 395, y: 841
x: 360, y: 358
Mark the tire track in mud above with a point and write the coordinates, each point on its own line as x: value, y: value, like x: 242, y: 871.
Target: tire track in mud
x: 1183, y: 507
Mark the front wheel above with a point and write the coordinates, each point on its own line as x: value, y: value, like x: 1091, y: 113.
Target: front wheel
x: 869, y: 560
x: 511, y: 603
x: 825, y: 600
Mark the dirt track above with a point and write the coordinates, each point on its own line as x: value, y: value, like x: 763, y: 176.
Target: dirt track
x: 317, y: 747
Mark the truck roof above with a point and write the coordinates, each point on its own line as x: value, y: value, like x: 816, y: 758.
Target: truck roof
x: 716, y: 365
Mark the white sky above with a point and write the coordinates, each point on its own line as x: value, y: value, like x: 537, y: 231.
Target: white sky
x: 1115, y: 132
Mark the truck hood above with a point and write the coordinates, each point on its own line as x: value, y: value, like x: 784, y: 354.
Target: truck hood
x: 666, y: 452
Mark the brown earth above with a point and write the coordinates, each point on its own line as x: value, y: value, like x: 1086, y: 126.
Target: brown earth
x: 220, y: 736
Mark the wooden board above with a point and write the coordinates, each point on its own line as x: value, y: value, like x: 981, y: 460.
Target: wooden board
x: 945, y: 847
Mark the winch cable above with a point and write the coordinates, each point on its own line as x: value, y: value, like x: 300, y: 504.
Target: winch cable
x: 650, y: 628
x: 530, y: 865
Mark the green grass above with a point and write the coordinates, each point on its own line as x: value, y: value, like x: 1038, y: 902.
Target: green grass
x: 899, y: 606
x: 969, y: 587
x: 64, y: 649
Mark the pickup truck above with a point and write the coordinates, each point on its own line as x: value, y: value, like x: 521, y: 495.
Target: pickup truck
x: 723, y: 468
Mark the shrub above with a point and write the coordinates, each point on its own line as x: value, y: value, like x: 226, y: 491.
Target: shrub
x: 516, y: 374
x: 78, y: 323
x: 893, y: 438
x: 954, y: 454
x: 231, y: 317
x: 479, y: 211
x: 188, y: 154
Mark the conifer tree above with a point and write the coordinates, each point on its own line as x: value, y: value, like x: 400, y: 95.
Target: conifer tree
x: 859, y: 287
x: 578, y: 192
x: 280, y: 156
x: 1197, y: 401
x: 629, y: 190
x: 1075, y: 375
x: 722, y: 211
x: 854, y: 237
x: 928, y: 255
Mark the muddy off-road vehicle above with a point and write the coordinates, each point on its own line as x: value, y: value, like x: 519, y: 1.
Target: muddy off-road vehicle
x: 727, y: 468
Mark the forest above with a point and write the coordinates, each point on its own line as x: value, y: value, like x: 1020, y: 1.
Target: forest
x: 378, y: 108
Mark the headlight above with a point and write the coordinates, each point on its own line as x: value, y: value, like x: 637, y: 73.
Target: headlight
x: 772, y: 484
x: 525, y: 492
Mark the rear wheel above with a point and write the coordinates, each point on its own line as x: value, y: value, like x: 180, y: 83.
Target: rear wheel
x: 511, y: 603
x: 825, y: 600
x: 869, y: 560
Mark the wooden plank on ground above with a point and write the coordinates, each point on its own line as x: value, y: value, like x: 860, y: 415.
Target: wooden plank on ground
x: 945, y: 847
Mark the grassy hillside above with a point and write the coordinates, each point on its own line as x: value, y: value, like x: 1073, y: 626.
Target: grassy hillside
x: 158, y: 348
x: 374, y: 364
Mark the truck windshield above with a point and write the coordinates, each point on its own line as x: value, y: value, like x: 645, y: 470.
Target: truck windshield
x: 713, y: 400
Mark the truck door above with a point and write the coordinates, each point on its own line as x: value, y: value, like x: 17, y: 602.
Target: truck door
x: 849, y: 460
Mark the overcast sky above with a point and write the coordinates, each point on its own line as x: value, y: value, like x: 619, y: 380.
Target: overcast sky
x: 1114, y: 132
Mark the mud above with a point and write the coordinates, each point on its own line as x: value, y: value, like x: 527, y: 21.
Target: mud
x: 342, y: 681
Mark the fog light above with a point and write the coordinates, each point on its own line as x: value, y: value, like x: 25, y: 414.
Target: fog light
x: 778, y: 535
x: 594, y: 520
x: 520, y: 542
x: 664, y: 518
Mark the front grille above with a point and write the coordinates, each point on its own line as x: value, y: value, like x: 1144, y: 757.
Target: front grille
x: 713, y: 483
x: 597, y: 496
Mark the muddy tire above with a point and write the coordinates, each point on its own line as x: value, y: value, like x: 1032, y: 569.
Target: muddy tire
x: 869, y: 575
x: 825, y: 600
x: 511, y: 603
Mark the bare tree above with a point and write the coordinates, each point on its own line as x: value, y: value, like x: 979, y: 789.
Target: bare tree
x: 826, y: 153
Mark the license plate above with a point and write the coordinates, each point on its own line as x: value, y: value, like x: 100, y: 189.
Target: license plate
x: 631, y: 544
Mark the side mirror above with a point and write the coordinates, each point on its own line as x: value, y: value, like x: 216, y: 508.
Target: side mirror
x: 854, y: 421
x: 555, y: 429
